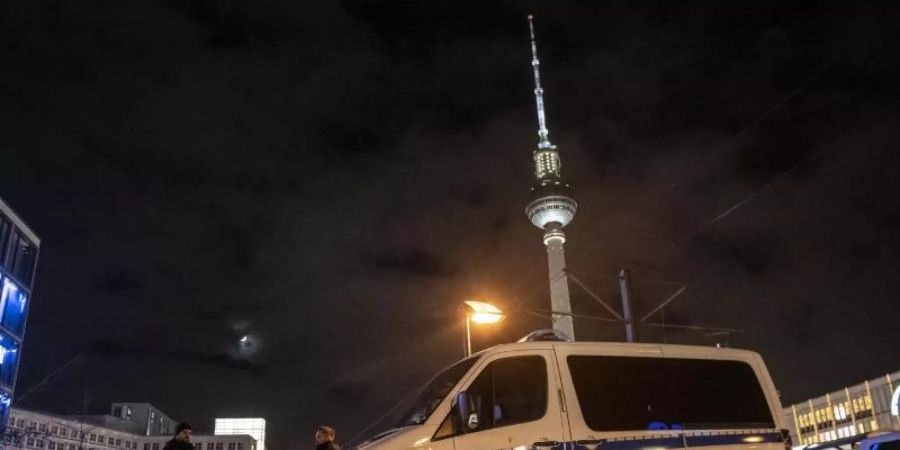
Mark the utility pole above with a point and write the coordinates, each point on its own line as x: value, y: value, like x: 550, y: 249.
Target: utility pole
x: 629, y: 309
x: 631, y: 332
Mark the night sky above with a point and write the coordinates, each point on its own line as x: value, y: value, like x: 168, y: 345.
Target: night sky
x: 334, y: 178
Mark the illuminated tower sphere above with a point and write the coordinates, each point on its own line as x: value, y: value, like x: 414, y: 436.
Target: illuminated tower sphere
x: 551, y: 207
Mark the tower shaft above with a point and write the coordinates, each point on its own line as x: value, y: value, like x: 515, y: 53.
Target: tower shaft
x: 559, y: 287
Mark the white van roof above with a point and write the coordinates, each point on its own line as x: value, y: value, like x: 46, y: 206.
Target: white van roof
x: 683, y: 351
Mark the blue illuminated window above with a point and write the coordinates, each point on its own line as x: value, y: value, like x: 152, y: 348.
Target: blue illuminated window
x: 5, y: 401
x: 9, y: 358
x: 13, y: 306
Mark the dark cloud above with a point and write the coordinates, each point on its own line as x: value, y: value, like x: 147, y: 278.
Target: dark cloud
x: 335, y: 177
x: 117, y: 350
x: 349, y: 393
x: 413, y: 261
x: 756, y: 254
x: 117, y: 282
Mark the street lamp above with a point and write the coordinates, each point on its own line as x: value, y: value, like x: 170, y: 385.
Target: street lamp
x: 479, y: 312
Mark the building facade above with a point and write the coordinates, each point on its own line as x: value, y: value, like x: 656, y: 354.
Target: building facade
x: 847, y: 412
x: 203, y: 442
x: 45, y: 431
x: 255, y: 427
x: 33, y: 430
x: 146, y: 418
x: 18, y: 260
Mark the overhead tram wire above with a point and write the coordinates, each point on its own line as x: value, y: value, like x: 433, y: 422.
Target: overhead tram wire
x: 673, y: 245
x: 658, y: 307
x: 37, y: 386
x: 752, y: 124
x: 647, y: 262
x: 633, y: 280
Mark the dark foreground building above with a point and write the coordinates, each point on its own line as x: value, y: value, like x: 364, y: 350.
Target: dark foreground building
x: 18, y: 259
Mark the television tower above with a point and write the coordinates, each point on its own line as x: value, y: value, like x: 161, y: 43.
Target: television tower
x: 551, y: 207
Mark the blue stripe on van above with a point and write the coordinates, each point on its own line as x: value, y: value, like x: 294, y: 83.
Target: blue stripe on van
x: 674, y: 442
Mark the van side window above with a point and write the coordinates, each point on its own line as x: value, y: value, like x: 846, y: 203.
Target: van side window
x: 510, y: 391
x: 618, y: 393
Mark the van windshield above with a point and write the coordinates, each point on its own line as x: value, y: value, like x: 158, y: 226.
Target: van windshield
x: 430, y: 396
x: 627, y: 393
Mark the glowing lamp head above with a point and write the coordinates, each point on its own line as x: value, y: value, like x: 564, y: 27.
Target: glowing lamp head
x: 484, y: 312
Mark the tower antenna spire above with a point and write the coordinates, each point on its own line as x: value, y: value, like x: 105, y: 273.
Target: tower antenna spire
x: 543, y: 132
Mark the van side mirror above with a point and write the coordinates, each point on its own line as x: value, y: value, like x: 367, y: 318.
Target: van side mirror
x: 473, y: 421
x: 466, y: 415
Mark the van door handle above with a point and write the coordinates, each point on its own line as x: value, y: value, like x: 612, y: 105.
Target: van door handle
x: 542, y: 444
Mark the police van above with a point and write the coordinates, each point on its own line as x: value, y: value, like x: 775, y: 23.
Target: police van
x: 552, y: 394
x: 885, y: 440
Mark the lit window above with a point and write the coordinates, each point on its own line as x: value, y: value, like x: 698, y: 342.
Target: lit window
x: 5, y: 226
x: 22, y: 258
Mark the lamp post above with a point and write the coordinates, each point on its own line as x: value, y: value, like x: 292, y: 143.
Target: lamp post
x: 479, y: 312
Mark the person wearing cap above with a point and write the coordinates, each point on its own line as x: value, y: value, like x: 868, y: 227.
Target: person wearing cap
x: 182, y: 439
x: 325, y: 438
